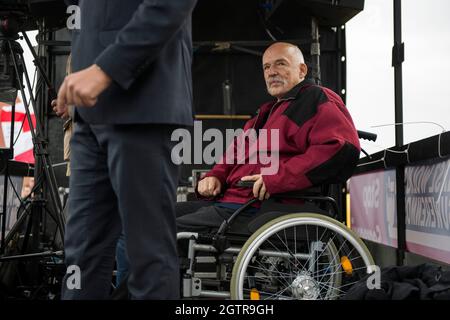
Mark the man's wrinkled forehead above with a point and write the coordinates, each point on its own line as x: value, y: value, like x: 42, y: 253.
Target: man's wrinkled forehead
x: 275, y: 53
x: 278, y: 59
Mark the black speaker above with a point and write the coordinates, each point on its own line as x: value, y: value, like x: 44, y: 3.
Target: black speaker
x: 327, y: 12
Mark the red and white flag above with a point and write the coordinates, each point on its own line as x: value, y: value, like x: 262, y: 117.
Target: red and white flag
x: 23, y: 147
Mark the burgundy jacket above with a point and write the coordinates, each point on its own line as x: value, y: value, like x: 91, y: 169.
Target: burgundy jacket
x: 318, y: 144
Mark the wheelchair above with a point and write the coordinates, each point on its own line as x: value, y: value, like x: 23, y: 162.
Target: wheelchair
x: 304, y: 255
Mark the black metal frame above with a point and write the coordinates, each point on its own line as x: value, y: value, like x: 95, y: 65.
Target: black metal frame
x: 43, y: 166
x: 398, y: 56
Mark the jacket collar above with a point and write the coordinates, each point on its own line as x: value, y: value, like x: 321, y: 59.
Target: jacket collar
x: 293, y: 93
x: 290, y: 95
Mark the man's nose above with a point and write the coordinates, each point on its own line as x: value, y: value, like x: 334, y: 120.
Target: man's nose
x: 272, y: 72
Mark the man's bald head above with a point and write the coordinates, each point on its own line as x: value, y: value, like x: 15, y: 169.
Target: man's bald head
x: 284, y: 67
x: 287, y: 48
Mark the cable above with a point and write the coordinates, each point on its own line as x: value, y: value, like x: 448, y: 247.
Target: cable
x: 371, y: 162
x: 410, y: 122
x: 406, y: 151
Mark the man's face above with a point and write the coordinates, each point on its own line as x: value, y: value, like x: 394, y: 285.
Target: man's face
x: 282, y: 70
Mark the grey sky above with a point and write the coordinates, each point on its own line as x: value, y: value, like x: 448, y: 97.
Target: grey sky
x: 426, y: 70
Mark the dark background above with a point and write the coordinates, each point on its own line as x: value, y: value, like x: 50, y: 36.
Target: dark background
x: 247, y: 28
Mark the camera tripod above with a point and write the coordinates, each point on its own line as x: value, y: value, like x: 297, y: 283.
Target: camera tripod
x: 29, y: 232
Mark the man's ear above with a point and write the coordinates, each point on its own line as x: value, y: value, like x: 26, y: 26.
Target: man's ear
x: 303, y: 70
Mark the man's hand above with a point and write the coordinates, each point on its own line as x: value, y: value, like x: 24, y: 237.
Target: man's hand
x: 82, y: 88
x: 64, y: 114
x: 259, y: 188
x: 209, y: 187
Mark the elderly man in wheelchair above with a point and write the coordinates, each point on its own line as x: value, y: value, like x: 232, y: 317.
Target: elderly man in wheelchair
x: 257, y: 236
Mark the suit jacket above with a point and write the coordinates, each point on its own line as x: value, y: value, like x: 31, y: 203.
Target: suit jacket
x: 145, y: 46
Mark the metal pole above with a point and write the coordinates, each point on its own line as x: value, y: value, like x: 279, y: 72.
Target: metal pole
x: 36, y: 62
x: 341, y: 63
x: 315, y: 51
x: 398, y: 56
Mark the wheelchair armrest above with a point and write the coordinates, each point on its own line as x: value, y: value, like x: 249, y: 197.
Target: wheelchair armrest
x: 245, y: 184
x: 313, y: 191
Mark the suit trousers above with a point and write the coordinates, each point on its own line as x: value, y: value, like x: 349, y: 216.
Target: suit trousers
x: 122, y: 174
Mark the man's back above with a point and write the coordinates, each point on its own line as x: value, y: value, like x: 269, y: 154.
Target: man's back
x: 151, y: 67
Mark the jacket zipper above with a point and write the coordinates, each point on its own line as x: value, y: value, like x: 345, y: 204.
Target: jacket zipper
x: 271, y: 109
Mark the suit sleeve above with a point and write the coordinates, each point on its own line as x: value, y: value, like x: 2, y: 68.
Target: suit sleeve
x: 140, y: 42
x: 332, y: 153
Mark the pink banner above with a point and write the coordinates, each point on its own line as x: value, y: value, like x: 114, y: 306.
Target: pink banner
x: 427, y: 200
x: 373, y: 206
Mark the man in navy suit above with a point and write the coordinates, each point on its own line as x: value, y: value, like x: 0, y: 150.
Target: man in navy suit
x: 131, y: 85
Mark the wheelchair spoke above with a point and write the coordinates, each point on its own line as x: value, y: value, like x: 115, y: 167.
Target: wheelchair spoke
x: 285, y: 238
x: 317, y: 236
x: 281, y: 274
x: 287, y: 245
x: 295, y: 239
x: 337, y: 253
x: 324, y: 286
x: 338, y: 288
x: 343, y: 272
x: 307, y: 235
x: 296, y: 260
x: 319, y: 264
x: 278, y: 294
x: 264, y: 269
x: 276, y: 271
x: 327, y: 287
x: 289, y: 251
x: 311, y: 253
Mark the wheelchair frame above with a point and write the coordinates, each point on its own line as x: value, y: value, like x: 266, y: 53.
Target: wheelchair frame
x: 302, y: 285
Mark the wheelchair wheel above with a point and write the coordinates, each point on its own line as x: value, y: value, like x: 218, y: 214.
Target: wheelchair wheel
x: 303, y: 256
